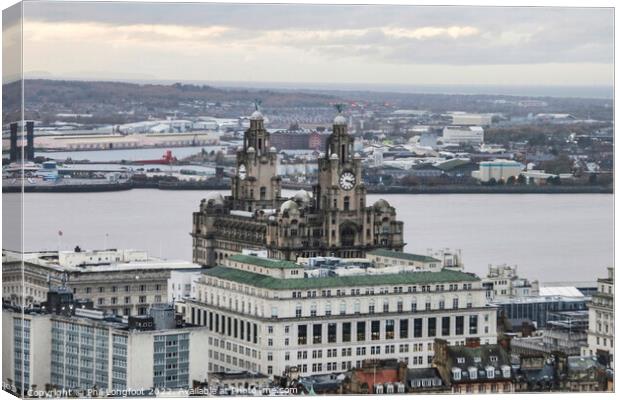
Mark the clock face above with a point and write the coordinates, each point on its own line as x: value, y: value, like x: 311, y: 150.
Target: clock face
x: 347, y: 180
x: 242, y: 172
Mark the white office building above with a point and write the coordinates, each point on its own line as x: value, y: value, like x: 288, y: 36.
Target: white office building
x: 463, y: 135
x: 461, y: 118
x: 497, y: 169
x: 502, y: 282
x: 265, y: 315
x: 120, y: 282
x: 75, y: 354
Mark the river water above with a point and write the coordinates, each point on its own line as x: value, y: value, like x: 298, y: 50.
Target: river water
x: 566, y: 237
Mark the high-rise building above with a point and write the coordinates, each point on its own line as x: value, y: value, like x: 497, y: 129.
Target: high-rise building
x: 332, y: 221
x: 82, y: 353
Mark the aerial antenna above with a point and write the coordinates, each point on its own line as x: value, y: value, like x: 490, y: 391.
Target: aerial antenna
x: 339, y: 107
x: 257, y: 103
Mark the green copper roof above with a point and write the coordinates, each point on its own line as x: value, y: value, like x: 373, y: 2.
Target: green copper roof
x: 268, y: 282
x: 402, y: 256
x: 263, y: 262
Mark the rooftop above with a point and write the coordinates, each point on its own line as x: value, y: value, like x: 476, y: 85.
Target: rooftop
x: 263, y: 262
x: 268, y: 282
x: 402, y: 256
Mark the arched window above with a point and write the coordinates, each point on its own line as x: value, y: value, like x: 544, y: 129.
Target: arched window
x: 347, y: 201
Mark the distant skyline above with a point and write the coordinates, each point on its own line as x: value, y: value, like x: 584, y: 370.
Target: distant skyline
x: 382, y: 45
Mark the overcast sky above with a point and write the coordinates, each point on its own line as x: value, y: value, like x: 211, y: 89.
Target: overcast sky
x: 305, y: 43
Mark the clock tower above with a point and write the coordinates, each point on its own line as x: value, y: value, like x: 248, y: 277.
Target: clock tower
x: 256, y: 183
x: 340, y: 193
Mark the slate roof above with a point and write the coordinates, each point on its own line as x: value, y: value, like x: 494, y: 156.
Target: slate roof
x: 268, y: 282
x: 479, y: 358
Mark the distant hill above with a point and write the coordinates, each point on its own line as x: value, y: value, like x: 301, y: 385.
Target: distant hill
x: 44, y: 98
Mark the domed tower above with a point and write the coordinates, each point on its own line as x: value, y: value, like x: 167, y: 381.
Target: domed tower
x: 256, y: 183
x: 340, y: 194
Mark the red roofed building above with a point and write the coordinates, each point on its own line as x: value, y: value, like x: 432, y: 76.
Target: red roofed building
x: 378, y: 377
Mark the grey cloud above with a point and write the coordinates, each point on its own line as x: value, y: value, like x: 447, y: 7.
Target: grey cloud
x: 551, y: 34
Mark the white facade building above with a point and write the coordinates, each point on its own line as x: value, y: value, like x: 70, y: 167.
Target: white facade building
x: 81, y: 352
x: 601, y: 320
x: 497, y: 169
x: 471, y: 119
x: 181, y: 284
x: 265, y: 315
x: 502, y: 282
x: 464, y: 135
x: 121, y: 282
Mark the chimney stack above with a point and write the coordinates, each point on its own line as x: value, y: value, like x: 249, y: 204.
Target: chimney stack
x: 13, y: 152
x: 30, y: 140
x: 472, y: 342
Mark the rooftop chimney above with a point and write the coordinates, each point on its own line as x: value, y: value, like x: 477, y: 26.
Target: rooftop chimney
x: 472, y: 342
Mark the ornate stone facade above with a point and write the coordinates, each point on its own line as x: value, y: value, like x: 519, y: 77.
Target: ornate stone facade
x: 332, y: 221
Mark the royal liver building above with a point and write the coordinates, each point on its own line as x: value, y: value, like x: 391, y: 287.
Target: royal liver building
x: 332, y: 221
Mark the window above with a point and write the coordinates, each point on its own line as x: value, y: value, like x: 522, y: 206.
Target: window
x: 386, y: 305
x: 459, y: 325
x: 298, y: 311
x: 347, y: 202
x: 404, y: 328
x: 432, y: 327
x: 361, y: 331
x: 417, y: 327
x: 346, y: 331
x: 331, y: 333
x: 375, y: 330
x: 302, y: 333
x: 473, y: 324
x: 317, y: 333
x: 445, y: 326
x: 389, y: 329
x: 313, y: 310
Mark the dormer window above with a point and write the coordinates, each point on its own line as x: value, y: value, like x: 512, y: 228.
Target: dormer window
x: 477, y: 359
x: 473, y: 373
x: 460, y: 360
x: 456, y: 374
x: 506, y: 371
x: 493, y: 358
x: 490, y: 372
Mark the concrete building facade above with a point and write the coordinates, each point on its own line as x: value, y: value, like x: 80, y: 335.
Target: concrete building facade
x: 601, y: 321
x: 266, y: 315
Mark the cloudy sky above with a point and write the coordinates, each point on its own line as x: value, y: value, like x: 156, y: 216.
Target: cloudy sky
x: 306, y: 43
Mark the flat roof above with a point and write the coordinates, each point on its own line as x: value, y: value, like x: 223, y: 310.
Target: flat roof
x: 407, y: 278
x: 402, y: 256
x: 263, y: 262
